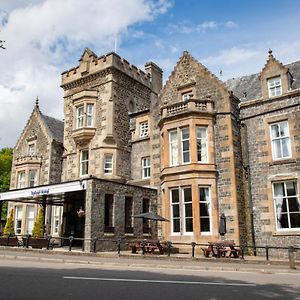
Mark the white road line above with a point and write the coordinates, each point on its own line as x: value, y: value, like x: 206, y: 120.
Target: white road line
x: 160, y: 281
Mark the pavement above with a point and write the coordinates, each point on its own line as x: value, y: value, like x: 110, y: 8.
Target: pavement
x: 127, y: 259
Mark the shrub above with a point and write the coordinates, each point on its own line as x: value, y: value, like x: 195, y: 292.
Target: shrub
x: 38, y: 228
x: 9, y: 226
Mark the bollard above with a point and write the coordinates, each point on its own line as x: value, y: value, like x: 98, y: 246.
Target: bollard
x: 119, y: 246
x: 94, y: 243
x: 71, y: 238
x: 193, y: 249
x: 292, y: 258
x: 267, y: 252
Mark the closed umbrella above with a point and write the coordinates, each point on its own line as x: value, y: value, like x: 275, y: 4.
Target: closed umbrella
x: 222, y: 225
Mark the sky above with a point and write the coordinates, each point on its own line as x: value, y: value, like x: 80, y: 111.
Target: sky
x: 43, y: 38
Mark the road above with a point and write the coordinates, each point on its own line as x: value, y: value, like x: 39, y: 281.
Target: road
x: 38, y: 280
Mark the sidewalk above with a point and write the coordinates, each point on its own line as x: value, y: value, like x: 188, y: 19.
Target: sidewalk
x: 127, y: 259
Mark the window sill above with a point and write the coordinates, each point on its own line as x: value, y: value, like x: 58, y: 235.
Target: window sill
x: 287, y: 233
x: 140, y: 139
x: 282, y: 161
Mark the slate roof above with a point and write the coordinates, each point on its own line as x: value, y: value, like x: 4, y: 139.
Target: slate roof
x: 55, y: 127
x: 251, y: 84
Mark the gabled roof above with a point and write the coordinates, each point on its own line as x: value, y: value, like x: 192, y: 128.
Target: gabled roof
x: 251, y: 84
x: 55, y: 127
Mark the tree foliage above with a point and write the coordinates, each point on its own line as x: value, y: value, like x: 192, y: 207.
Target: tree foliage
x: 9, y: 226
x: 6, y: 155
x: 38, y: 228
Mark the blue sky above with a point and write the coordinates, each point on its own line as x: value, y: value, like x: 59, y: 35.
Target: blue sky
x: 45, y: 37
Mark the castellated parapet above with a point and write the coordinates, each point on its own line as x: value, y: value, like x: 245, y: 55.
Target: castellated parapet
x: 90, y: 64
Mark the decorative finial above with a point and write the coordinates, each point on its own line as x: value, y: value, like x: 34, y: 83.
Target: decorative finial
x: 37, y: 101
x: 270, y: 53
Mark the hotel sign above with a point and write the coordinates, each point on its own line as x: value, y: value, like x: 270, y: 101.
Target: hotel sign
x: 60, y: 188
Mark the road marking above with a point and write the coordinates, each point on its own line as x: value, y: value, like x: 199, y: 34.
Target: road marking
x: 160, y: 281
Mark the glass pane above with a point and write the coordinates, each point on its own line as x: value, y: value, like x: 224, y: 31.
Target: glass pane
x: 175, y: 195
x: 295, y: 220
x: 285, y: 147
x: 275, y: 130
x: 186, y: 157
x: 278, y: 189
x: 291, y: 188
x: 185, y: 145
x: 276, y: 149
x: 176, y: 213
x: 173, y: 136
x: 201, y: 132
x: 293, y: 205
x: 187, y: 192
x: 283, y: 221
x: 204, y: 194
x: 189, y: 225
x: 188, y: 210
x: 204, y: 210
x: 185, y: 133
x: 176, y: 225
x: 284, y: 129
x: 204, y: 225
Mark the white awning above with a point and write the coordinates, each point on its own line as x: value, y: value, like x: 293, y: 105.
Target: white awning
x: 51, y: 189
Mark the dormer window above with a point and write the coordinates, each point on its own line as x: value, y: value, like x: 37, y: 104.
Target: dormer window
x: 274, y: 86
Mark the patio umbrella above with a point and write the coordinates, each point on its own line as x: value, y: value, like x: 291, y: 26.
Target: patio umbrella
x: 222, y: 226
x: 151, y: 216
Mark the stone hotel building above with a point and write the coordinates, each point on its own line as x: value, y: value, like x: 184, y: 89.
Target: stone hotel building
x: 190, y: 150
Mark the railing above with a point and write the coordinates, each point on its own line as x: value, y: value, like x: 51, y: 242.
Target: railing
x: 122, y: 244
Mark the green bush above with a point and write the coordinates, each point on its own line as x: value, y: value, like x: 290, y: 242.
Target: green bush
x: 38, y: 228
x: 9, y: 226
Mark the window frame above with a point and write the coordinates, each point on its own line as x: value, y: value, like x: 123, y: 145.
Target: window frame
x: 173, y: 148
x: 106, y: 168
x: 202, y: 140
x: 182, y: 141
x: 274, y: 87
x: 280, y: 138
x: 56, y: 213
x: 182, y: 209
x: 146, y: 167
x: 285, y: 198
x: 209, y: 202
x: 31, y: 149
x: 143, y: 129
x: 29, y: 219
x: 17, y: 218
x: 35, y: 183
x: 84, y: 116
x: 89, y: 115
x: 109, y: 224
x: 83, y: 162
x: 23, y: 181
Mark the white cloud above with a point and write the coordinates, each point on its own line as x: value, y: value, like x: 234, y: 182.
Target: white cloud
x: 231, y: 24
x: 41, y: 41
x: 203, y: 27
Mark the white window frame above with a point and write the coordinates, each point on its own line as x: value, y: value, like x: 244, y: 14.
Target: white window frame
x: 21, y: 179
x: 30, y: 218
x: 274, y: 86
x: 79, y: 116
x: 208, y: 203
x: 280, y: 139
x: 182, y: 211
x: 108, y: 164
x: 186, y: 96
x: 173, y: 148
x: 201, y: 141
x: 144, y: 129
x: 18, y: 219
x: 90, y: 115
x: 185, y: 141
x: 32, y: 181
x: 84, y: 162
x: 285, y: 198
x: 146, y: 167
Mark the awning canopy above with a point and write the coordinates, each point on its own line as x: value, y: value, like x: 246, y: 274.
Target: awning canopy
x: 34, y: 193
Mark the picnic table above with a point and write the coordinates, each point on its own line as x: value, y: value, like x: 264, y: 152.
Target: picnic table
x: 149, y: 246
x: 221, y: 249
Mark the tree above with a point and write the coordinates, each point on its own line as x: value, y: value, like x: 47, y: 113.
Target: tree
x: 6, y: 156
x: 38, y: 228
x: 9, y: 226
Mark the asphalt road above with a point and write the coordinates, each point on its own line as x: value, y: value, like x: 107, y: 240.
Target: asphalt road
x: 36, y: 280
